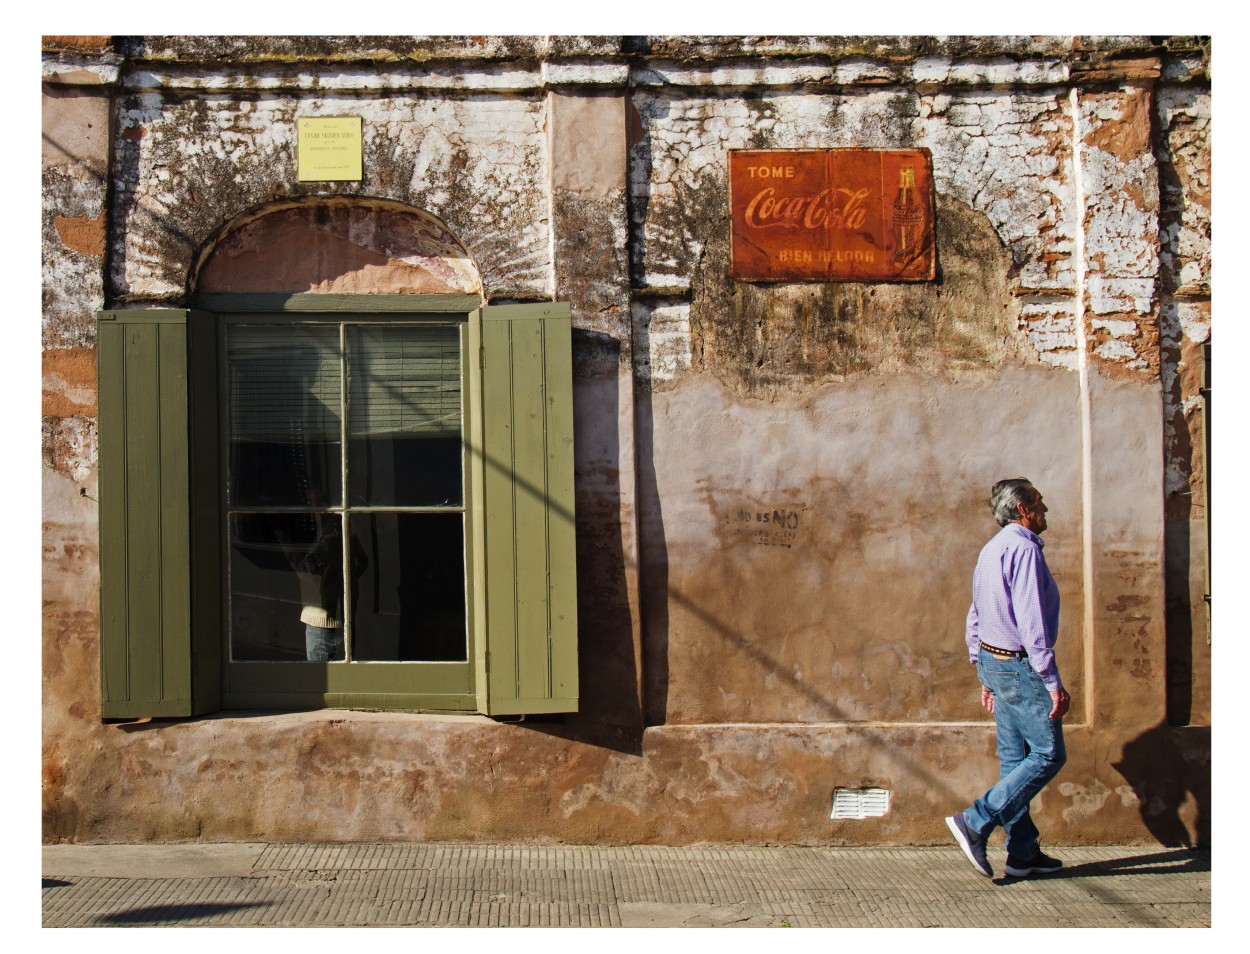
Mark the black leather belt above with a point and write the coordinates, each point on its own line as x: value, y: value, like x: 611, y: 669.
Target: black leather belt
x: 1004, y: 653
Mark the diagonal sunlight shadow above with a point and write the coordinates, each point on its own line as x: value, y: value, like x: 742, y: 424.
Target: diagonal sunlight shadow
x: 1176, y: 861
x: 1112, y: 893
x: 934, y: 781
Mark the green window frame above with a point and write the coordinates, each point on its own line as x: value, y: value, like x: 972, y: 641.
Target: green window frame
x: 164, y: 643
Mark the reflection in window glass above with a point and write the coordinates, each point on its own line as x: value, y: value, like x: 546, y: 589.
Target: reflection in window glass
x: 404, y: 416
x: 411, y: 602
x: 284, y: 416
x: 286, y: 586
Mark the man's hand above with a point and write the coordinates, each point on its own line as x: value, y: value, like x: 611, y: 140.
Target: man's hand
x: 1062, y: 701
x: 987, y: 699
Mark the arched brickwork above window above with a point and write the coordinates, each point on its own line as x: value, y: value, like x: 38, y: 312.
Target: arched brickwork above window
x: 344, y: 246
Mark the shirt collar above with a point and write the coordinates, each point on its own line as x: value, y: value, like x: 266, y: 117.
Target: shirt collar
x: 1025, y: 532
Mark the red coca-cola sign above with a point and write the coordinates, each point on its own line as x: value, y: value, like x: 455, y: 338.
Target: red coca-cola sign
x: 831, y: 215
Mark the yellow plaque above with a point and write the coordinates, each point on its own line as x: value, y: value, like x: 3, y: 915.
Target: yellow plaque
x: 329, y: 149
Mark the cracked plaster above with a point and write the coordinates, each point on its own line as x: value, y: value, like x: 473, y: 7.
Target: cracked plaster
x: 184, y: 165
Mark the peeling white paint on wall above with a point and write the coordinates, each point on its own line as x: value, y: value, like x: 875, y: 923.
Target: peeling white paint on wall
x: 1051, y: 329
x: 73, y: 286
x: 667, y: 338
x: 1120, y: 351
x: 1191, y: 319
x: 1184, y: 114
x: 1003, y: 154
x: 587, y: 74
x: 1121, y: 221
x: 676, y: 74
x: 1007, y: 155
x: 946, y: 70
x: 73, y: 446
x: 479, y: 163
x: 998, y: 71
x: 682, y: 160
x: 1117, y: 328
x: 395, y: 79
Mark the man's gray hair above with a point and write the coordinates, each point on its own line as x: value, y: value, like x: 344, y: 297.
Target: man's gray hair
x: 1007, y: 495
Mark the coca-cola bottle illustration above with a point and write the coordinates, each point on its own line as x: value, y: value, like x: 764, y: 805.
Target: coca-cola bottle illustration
x: 908, y: 218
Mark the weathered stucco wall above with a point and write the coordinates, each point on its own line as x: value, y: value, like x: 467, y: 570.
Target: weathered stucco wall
x: 780, y: 488
x: 390, y: 776
x: 76, y: 122
x: 815, y: 575
x: 1183, y: 148
x: 184, y: 165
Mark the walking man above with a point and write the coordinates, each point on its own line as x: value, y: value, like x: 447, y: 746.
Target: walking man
x: 1011, y: 639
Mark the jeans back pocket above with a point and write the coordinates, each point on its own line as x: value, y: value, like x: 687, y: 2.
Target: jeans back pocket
x: 1004, y: 683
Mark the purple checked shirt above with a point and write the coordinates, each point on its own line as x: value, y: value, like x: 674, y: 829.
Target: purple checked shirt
x: 1015, y: 602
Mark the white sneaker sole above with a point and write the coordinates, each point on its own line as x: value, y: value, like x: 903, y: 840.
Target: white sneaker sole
x: 1025, y: 872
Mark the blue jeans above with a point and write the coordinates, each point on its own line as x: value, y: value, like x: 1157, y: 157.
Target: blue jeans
x: 1030, y: 752
x: 321, y: 644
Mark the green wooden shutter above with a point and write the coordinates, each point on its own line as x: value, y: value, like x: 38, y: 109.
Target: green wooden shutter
x: 530, y: 548
x: 156, y: 482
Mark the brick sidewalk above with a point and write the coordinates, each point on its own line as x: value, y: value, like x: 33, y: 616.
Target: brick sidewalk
x: 639, y: 886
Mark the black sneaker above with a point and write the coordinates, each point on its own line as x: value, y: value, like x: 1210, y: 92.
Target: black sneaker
x: 972, y: 844
x: 1038, y: 864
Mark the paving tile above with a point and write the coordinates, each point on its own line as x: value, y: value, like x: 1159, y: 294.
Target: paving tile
x: 448, y: 885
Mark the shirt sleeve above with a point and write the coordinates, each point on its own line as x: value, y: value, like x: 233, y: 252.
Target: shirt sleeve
x: 1026, y: 603
x: 972, y: 633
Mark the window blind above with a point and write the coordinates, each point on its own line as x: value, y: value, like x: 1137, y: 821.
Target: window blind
x: 403, y: 381
x: 285, y: 382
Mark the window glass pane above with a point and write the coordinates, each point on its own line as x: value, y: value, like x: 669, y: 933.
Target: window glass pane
x: 410, y: 603
x: 404, y: 416
x: 286, y: 586
x: 284, y: 415
x: 406, y: 572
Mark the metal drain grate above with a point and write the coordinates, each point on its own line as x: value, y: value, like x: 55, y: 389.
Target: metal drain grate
x: 860, y: 802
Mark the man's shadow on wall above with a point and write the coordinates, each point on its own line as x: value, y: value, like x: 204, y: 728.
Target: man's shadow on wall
x: 1165, y: 765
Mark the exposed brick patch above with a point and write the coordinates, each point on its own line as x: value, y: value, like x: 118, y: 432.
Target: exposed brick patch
x: 1121, y: 224
x: 77, y: 44
x: 69, y: 382
x: 1129, y: 136
x: 81, y: 234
